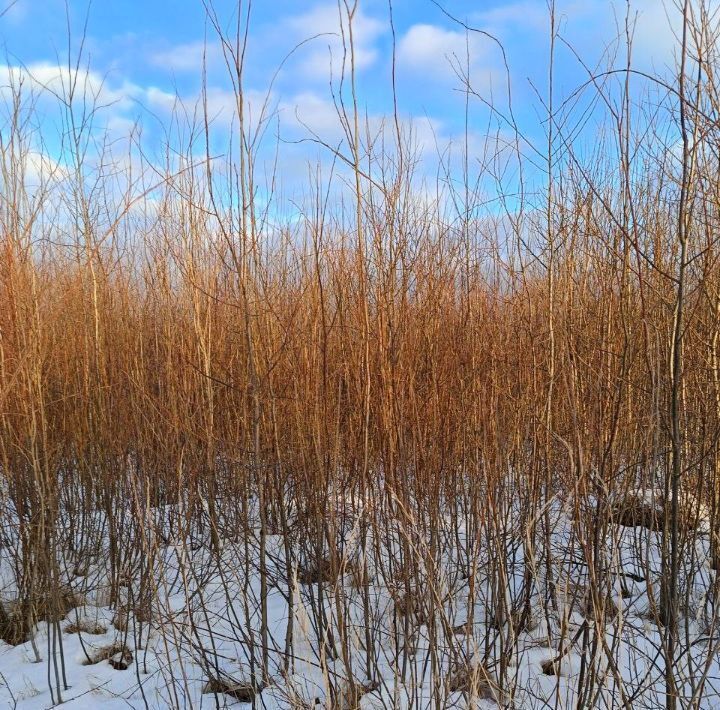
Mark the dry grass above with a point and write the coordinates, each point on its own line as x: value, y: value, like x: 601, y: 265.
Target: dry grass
x: 117, y: 654
x: 85, y: 626
x: 380, y: 376
x: 242, y: 692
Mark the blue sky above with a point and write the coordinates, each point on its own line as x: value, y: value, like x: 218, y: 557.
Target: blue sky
x: 146, y: 52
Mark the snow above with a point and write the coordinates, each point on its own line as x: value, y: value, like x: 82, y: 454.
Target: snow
x: 201, y: 624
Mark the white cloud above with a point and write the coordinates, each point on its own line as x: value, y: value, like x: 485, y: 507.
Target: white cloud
x: 222, y: 107
x: 159, y: 100
x: 428, y: 47
x: 441, y: 53
x: 326, y: 20
x: 308, y: 111
x: 308, y: 114
x: 122, y: 101
x: 186, y: 57
x: 85, y: 85
x: 119, y: 126
x: 523, y: 27
x: 14, y: 12
x: 528, y: 14
x: 40, y: 168
x: 592, y: 26
x: 657, y: 30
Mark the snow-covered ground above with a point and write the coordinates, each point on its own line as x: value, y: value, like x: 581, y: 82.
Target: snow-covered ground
x: 189, y: 634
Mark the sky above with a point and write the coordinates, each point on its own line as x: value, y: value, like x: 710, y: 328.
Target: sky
x: 143, y: 54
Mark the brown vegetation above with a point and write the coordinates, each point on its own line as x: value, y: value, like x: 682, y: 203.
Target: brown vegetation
x: 364, y: 383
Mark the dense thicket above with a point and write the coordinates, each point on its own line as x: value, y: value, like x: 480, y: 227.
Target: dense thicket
x: 407, y: 387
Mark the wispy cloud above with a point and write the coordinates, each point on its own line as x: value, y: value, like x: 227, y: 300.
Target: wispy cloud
x: 84, y: 85
x: 330, y: 27
x: 187, y: 57
x: 14, y: 12
x: 448, y: 56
